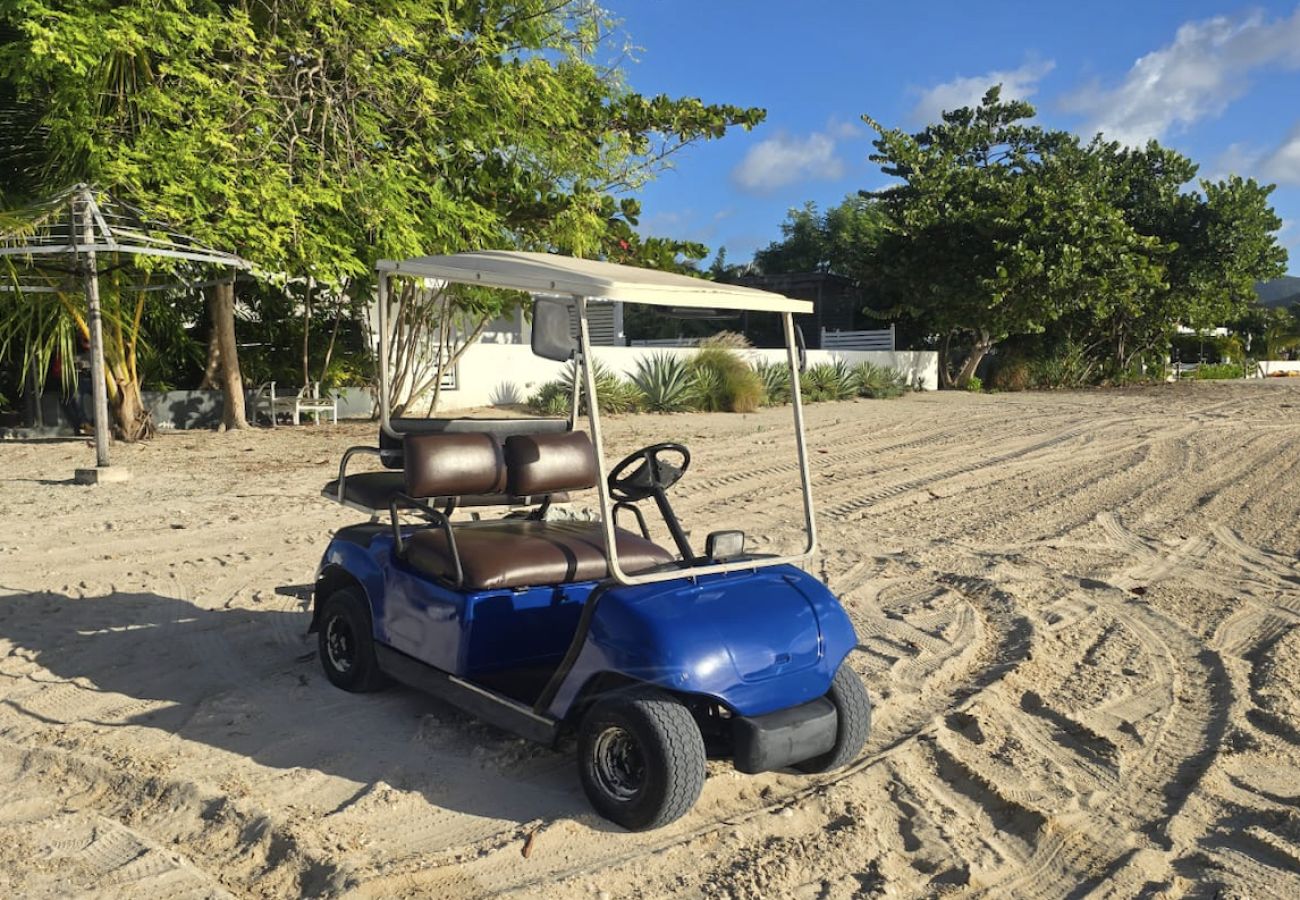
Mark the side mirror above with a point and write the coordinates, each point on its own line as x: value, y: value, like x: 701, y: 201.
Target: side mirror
x: 553, y: 329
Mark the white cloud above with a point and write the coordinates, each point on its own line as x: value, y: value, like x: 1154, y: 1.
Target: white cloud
x: 1017, y: 84
x: 1198, y: 75
x: 1283, y: 164
x: 785, y: 159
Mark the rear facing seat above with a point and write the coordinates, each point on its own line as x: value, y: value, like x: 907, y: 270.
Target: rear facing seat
x: 513, y: 552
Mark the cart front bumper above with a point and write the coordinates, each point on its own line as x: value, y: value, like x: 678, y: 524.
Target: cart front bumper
x: 784, y: 737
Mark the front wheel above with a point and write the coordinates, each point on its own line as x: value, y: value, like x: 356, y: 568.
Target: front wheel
x: 345, y: 644
x: 853, y: 709
x: 641, y: 759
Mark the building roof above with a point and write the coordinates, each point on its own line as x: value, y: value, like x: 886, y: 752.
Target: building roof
x: 547, y: 273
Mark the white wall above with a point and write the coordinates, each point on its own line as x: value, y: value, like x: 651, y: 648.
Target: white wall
x: 493, y: 374
x: 1269, y: 366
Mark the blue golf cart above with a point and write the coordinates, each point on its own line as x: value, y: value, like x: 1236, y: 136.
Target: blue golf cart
x: 656, y: 657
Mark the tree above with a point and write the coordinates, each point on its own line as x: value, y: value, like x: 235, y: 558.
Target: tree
x: 986, y: 233
x: 1211, y: 245
x: 1002, y: 228
x: 838, y: 241
x: 315, y: 138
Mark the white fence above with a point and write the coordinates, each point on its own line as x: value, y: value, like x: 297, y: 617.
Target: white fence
x: 499, y: 374
x: 881, y: 339
x: 666, y: 342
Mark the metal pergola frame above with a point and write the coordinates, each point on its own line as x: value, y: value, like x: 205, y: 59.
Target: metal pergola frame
x: 79, y: 223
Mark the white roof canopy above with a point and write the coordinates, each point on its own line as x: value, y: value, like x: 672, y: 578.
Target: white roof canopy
x: 547, y: 273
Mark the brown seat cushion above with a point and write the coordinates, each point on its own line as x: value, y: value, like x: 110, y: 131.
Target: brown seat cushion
x: 453, y: 465
x: 542, y: 463
x: 521, y: 553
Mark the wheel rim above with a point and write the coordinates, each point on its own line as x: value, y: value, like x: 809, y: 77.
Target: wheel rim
x: 340, y: 644
x: 620, y: 768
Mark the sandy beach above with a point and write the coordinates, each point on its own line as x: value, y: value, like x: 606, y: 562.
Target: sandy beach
x: 1078, y: 616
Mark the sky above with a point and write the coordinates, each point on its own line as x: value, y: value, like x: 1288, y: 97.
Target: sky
x: 1219, y: 82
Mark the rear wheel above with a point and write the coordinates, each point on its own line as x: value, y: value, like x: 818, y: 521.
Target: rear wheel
x: 641, y: 759
x: 853, y: 708
x: 346, y: 647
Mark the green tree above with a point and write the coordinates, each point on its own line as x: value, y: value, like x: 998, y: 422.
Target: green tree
x: 1212, y: 245
x: 995, y: 230
x: 838, y: 241
x: 315, y: 138
x: 1002, y: 228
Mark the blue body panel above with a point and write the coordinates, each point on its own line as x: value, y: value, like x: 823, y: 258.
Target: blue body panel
x: 755, y: 641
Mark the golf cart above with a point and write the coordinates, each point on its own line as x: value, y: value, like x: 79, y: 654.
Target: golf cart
x: 656, y: 657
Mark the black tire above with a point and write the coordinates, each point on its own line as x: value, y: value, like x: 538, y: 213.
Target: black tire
x: 641, y: 759
x: 345, y: 643
x: 853, y: 707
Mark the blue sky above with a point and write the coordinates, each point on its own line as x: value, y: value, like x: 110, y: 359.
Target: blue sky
x: 1218, y: 82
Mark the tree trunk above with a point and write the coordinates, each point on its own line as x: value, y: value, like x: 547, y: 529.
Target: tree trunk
x: 945, y: 373
x: 221, y: 304
x: 209, y: 381
x: 983, y: 344
x: 133, y: 422
x: 306, y: 334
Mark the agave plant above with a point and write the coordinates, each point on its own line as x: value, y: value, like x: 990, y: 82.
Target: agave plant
x: 665, y: 381
x: 708, y: 390
x: 829, y: 381
x: 776, y: 381
x: 551, y: 399
x: 878, y: 381
x: 613, y: 394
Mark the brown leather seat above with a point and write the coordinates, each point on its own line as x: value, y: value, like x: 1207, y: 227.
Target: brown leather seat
x: 522, y: 553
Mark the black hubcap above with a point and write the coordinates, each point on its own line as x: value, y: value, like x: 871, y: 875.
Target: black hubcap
x: 620, y: 768
x: 340, y: 644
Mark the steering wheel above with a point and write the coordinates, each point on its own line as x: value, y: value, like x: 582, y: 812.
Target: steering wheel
x: 652, y: 475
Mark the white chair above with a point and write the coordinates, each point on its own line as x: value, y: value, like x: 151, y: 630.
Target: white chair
x: 313, y: 403
x: 306, y: 400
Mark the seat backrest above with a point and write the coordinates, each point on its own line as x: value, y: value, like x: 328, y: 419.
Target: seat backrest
x: 453, y: 465
x: 479, y: 465
x: 391, y: 448
x: 538, y: 464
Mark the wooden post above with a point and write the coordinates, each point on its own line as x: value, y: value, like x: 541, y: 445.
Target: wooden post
x: 98, y: 385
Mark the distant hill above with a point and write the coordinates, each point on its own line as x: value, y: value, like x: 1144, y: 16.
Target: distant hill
x: 1280, y: 291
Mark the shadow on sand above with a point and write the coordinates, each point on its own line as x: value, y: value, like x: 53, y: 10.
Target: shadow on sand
x: 248, y: 682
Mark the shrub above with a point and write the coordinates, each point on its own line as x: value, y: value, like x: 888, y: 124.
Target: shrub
x: 1012, y: 373
x: 728, y: 340
x: 975, y: 385
x: 1069, y: 368
x: 613, y: 394
x: 551, y: 399
x: 722, y: 381
x: 1219, y: 371
x: 664, y: 379
x: 775, y: 377
x: 879, y: 382
x: 829, y: 381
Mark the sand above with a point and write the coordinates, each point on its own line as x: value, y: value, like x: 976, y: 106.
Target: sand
x: 1078, y: 618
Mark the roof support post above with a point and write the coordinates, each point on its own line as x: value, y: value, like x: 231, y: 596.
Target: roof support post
x: 99, y: 386
x: 598, y: 442
x: 801, y: 440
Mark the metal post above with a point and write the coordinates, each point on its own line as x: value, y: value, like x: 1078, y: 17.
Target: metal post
x: 598, y: 442
x: 801, y: 443
x: 98, y: 385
